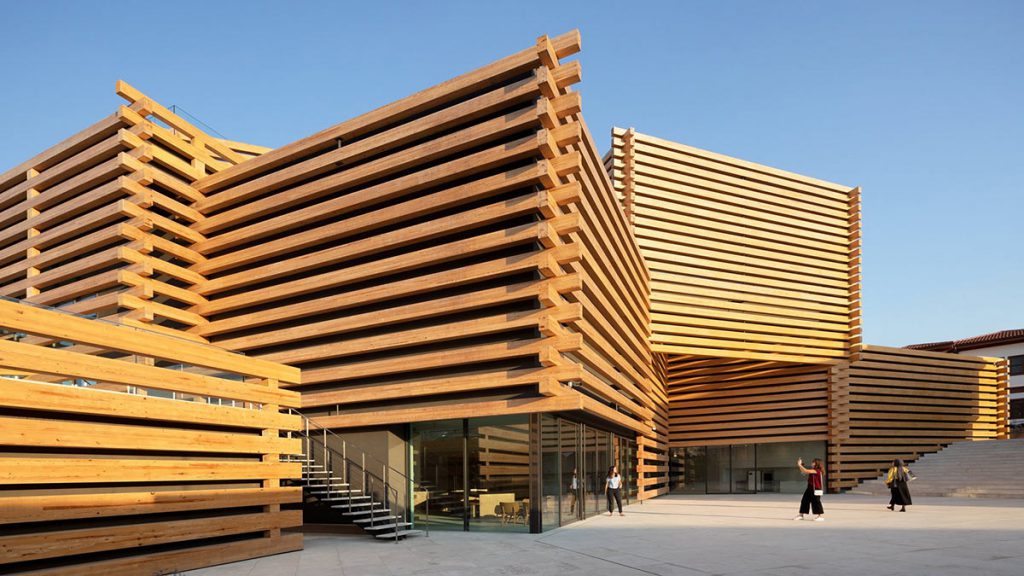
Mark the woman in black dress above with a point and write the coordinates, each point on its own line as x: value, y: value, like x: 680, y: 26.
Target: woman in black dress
x: 897, y: 480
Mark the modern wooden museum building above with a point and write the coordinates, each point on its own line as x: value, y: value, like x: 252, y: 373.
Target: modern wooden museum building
x: 456, y: 302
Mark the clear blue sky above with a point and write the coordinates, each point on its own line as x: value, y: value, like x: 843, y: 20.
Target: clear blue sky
x: 919, y: 103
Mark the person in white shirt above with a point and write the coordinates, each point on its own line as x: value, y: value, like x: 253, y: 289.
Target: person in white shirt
x: 613, y: 489
x: 574, y: 487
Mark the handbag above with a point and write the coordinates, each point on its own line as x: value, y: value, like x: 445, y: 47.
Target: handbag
x: 819, y: 491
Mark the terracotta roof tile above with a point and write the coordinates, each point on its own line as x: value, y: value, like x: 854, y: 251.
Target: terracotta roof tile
x: 983, y: 341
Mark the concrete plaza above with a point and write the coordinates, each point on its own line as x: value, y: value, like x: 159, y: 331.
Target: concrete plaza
x: 696, y: 535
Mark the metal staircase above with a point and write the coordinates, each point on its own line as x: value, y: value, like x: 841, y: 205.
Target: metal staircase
x: 357, y: 488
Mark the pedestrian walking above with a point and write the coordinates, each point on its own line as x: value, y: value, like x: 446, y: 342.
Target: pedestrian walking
x: 613, y: 489
x: 815, y: 489
x: 898, y: 481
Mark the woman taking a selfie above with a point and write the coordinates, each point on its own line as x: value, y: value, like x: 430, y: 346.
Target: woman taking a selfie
x: 815, y: 488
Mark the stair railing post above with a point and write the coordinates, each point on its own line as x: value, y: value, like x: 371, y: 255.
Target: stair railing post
x: 427, y: 524
x: 366, y: 491
x: 344, y: 457
x: 325, y: 453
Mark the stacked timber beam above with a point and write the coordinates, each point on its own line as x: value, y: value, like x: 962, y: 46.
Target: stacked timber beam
x: 100, y: 223
x: 456, y: 253
x: 746, y: 261
x: 899, y: 403
x: 722, y: 401
x: 151, y: 455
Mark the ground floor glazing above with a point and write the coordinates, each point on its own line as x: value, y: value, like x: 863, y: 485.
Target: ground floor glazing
x: 519, y: 473
x: 742, y: 468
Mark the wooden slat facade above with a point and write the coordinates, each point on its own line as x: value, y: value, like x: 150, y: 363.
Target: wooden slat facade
x: 456, y: 253
x: 147, y: 454
x: 755, y: 307
x: 891, y: 403
x: 722, y: 401
x: 100, y: 223
x: 746, y: 261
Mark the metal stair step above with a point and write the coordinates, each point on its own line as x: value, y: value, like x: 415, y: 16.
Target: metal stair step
x: 377, y: 527
x: 378, y: 519
x: 354, y: 504
x: 357, y: 500
x: 366, y: 512
x: 344, y: 493
x: 401, y: 534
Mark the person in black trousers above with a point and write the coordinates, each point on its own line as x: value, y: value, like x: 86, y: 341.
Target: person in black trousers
x: 613, y: 489
x: 815, y: 488
x: 897, y: 479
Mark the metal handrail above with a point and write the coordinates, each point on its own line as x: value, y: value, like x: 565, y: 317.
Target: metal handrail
x: 387, y: 471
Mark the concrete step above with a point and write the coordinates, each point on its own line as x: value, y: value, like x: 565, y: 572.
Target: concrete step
x: 981, y: 469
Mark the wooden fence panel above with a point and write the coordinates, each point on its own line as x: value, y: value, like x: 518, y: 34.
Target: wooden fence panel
x: 136, y: 452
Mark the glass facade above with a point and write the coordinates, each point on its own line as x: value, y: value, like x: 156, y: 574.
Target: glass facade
x: 514, y: 473
x: 742, y: 468
x: 438, y: 458
x: 498, y: 453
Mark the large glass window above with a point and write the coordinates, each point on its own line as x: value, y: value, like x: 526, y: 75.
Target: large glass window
x: 499, y: 473
x: 437, y: 460
x: 746, y: 468
x: 480, y: 473
x: 777, y: 465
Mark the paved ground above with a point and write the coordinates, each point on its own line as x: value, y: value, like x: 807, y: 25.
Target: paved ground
x: 697, y: 535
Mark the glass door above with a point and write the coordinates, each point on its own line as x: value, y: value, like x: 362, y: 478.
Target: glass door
x: 719, y: 470
x: 744, y: 469
x: 438, y: 461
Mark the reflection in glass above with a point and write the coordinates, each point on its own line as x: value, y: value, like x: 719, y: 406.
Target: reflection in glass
x: 550, y: 473
x: 776, y: 465
x: 718, y: 476
x: 629, y: 471
x: 590, y: 474
x: 437, y: 449
x: 572, y: 482
x: 499, y: 473
x: 694, y: 471
x: 602, y: 460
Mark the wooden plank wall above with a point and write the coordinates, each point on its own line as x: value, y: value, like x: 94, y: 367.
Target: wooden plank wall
x: 746, y: 261
x: 722, y: 401
x: 455, y: 253
x: 899, y: 403
x: 653, y: 450
x: 95, y: 482
x: 100, y: 223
